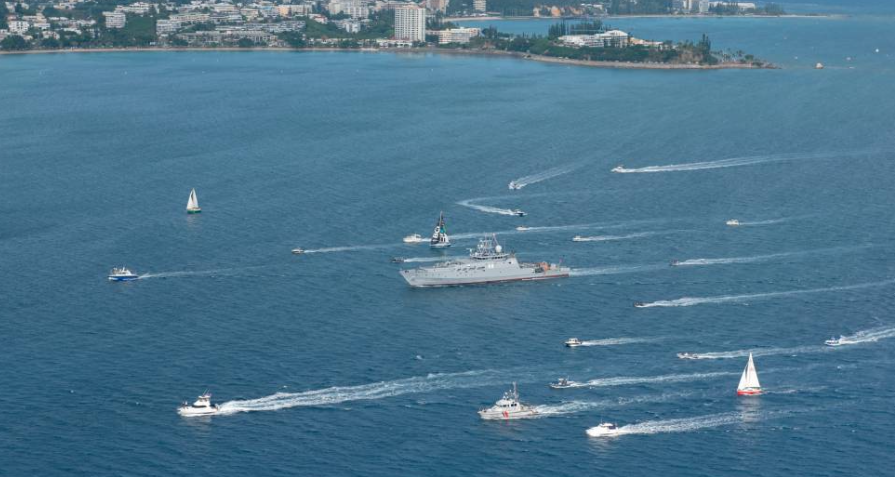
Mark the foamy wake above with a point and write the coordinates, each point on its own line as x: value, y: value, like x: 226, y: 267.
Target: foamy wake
x: 761, y: 258
x: 733, y: 162
x: 348, y: 248
x: 573, y: 407
x: 195, y: 273
x: 365, y: 392
x: 691, y: 301
x: 866, y: 336
x: 668, y: 378
x: 618, y: 341
x: 609, y: 238
x: 485, y: 208
x: 554, y: 228
x: 542, y: 176
x: 689, y: 424
x: 614, y: 270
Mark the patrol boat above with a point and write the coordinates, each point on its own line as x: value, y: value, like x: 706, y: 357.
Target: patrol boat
x: 122, y: 275
x: 488, y: 263
x: 508, y: 407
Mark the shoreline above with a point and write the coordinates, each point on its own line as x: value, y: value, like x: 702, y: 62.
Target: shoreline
x: 440, y: 51
x: 662, y: 15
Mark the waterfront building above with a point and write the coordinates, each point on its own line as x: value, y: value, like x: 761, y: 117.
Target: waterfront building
x: 609, y: 39
x: 115, y: 19
x: 410, y: 23
x: 703, y: 6
x: 188, y: 18
x: 437, y: 5
x: 164, y: 27
x: 457, y: 35
x: 349, y: 25
x: 480, y: 6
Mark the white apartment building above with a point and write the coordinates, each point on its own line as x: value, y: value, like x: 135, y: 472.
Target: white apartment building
x: 115, y: 19
x: 410, y: 23
x: 612, y: 38
x: 186, y: 18
x: 457, y: 35
x: 479, y: 5
x: 19, y: 27
x: 139, y: 8
x: 164, y: 27
x: 703, y: 6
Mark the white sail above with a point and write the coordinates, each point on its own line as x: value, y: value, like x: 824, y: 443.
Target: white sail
x: 439, y: 235
x: 749, y: 379
x: 193, y: 202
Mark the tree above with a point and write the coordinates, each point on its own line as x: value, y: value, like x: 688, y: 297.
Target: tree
x: 245, y: 43
x: 14, y: 43
x: 3, y: 12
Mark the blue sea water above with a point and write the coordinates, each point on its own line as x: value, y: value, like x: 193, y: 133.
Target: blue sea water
x: 328, y: 364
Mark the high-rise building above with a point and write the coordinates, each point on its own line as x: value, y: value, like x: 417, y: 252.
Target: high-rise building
x: 479, y: 5
x: 115, y: 19
x: 437, y: 5
x: 703, y: 6
x: 410, y: 23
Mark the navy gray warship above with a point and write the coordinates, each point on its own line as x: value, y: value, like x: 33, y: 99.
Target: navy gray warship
x: 488, y: 263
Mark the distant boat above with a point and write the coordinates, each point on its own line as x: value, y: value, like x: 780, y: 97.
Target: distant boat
x: 687, y: 356
x: 618, y: 168
x: 675, y: 263
x: 573, y: 342
x: 522, y: 228
x: 639, y: 304
x: 579, y: 238
x: 298, y: 251
x: 192, y: 205
x: 733, y: 222
x: 749, y: 385
x: 519, y: 213
x: 414, y: 238
x: 508, y: 407
x: 563, y: 383
x: 122, y: 275
x: 819, y: 66
x: 834, y: 341
x: 398, y: 259
x: 202, y: 407
x: 440, y: 237
x: 514, y: 186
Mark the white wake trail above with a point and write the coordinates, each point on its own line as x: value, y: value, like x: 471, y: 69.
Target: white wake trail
x: 573, y: 407
x: 761, y: 258
x: 610, y: 238
x: 758, y: 352
x: 688, y: 424
x: 691, y: 301
x: 196, y: 273
x: 542, y: 176
x: 348, y: 248
x: 485, y: 208
x: 868, y: 336
x: 668, y: 378
x: 614, y: 270
x: 365, y: 392
x: 733, y: 162
x: 619, y: 341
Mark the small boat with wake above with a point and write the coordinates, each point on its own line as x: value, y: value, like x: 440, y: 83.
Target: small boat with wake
x: 675, y: 263
x: 579, y: 238
x: 122, y: 275
x: 201, y: 407
x: 573, y: 342
x: 522, y: 228
x: 749, y: 385
x: 519, y: 213
x: 639, y: 304
x: 605, y: 429
x: 834, y: 341
x: 563, y: 383
x: 398, y: 259
x: 687, y: 356
x: 413, y: 238
x: 732, y: 222
x: 508, y: 407
x: 514, y: 186
x: 618, y: 168
x: 298, y: 251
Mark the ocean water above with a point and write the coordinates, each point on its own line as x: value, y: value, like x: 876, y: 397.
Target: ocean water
x: 329, y: 364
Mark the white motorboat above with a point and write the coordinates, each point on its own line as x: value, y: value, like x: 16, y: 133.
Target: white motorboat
x: 201, y: 407
x: 675, y: 263
x: 415, y: 238
x: 519, y: 213
x: 508, y: 407
x: 749, y: 385
x: 579, y: 238
x: 733, y: 222
x: 522, y: 228
x: 605, y: 429
x: 618, y: 168
x: 298, y: 251
x: 834, y: 341
x: 819, y: 66
x: 398, y: 259
x: 514, y: 186
x: 563, y: 383
x: 122, y: 275
x: 687, y: 356
x: 573, y: 342
x: 192, y: 205
x: 639, y: 304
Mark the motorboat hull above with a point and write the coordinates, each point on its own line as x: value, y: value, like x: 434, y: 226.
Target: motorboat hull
x: 123, y: 278
x: 190, y: 411
x: 598, y: 432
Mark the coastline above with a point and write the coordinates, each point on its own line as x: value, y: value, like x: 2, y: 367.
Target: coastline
x: 662, y: 15
x: 441, y: 51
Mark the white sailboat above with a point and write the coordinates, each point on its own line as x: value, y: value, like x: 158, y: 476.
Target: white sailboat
x: 192, y: 205
x: 749, y: 385
x: 439, y: 236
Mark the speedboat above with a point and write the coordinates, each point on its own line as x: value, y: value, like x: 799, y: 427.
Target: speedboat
x: 618, y: 168
x: 519, y: 213
x: 675, y: 263
x: 514, y: 186
x: 562, y: 383
x: 202, y: 407
x: 122, y: 275
x: 573, y: 342
x: 298, y: 251
x: 834, y: 341
x: 508, y: 407
x: 605, y: 429
x: 397, y: 259
x: 414, y: 238
x: 733, y: 222
x: 522, y: 228
x: 687, y: 356
x: 819, y: 66
x: 639, y: 304
x: 579, y: 238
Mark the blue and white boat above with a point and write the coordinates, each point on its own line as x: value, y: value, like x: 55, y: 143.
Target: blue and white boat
x: 122, y: 275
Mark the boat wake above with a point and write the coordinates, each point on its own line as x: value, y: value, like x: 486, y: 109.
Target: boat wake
x: 365, y: 392
x: 587, y: 272
x: 668, y: 378
x: 486, y: 208
x: 868, y: 336
x: 610, y: 238
x: 733, y: 162
x: 573, y: 407
x: 348, y: 248
x: 691, y: 301
x: 196, y: 273
x: 688, y: 424
x: 542, y: 176
x: 756, y: 258
x: 618, y: 341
